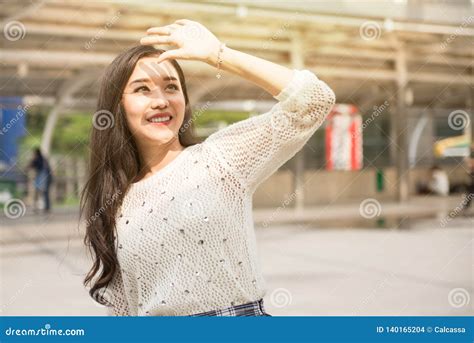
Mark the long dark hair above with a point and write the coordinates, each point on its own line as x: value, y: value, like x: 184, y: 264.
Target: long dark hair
x: 114, y: 163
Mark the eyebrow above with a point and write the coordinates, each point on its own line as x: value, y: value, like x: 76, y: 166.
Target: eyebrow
x: 166, y: 78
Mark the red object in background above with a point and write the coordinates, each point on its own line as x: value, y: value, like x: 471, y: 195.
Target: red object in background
x: 344, y: 138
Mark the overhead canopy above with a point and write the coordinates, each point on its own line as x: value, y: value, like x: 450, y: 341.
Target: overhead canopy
x: 409, y: 53
x: 351, y: 46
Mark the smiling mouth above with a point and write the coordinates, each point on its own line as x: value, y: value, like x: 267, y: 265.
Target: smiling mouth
x: 160, y: 120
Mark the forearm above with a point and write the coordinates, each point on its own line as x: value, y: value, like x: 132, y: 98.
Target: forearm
x: 265, y: 74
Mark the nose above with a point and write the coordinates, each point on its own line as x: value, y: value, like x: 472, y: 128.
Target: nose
x: 158, y: 100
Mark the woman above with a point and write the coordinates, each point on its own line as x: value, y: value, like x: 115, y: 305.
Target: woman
x: 43, y: 179
x: 178, y: 236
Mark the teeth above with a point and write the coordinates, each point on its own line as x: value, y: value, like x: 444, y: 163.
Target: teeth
x: 159, y: 120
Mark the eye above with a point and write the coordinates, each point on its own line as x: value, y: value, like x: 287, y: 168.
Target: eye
x: 141, y: 89
x: 174, y: 86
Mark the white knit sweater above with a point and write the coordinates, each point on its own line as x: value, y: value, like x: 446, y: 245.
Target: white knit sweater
x: 185, y: 235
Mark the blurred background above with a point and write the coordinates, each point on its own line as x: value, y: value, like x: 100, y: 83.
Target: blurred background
x: 372, y: 217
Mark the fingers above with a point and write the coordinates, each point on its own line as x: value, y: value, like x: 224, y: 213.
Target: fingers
x: 154, y: 39
x: 163, y: 30
x: 162, y: 34
x: 183, y: 21
x: 170, y: 55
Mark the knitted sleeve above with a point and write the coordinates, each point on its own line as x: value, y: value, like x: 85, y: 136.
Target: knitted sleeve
x: 115, y: 296
x: 255, y: 148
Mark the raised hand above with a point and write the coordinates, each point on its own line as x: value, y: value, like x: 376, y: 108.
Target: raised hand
x: 193, y: 41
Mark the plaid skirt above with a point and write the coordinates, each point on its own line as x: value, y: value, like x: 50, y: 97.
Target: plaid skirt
x: 245, y: 310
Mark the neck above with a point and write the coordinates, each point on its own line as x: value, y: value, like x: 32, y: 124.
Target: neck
x: 155, y: 157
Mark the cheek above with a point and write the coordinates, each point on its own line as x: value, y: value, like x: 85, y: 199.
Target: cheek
x: 178, y: 105
x: 134, y: 109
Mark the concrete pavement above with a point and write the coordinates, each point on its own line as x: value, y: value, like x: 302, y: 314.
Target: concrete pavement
x: 337, y: 266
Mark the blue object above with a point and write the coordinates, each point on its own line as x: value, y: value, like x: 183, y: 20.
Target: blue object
x: 12, y: 128
x: 237, y: 329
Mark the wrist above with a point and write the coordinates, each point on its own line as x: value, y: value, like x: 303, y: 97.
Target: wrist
x: 218, y: 59
x: 216, y: 56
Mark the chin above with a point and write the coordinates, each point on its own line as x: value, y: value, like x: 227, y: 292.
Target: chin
x: 162, y: 138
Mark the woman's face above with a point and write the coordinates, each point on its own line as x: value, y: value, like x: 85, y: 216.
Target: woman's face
x: 154, y: 102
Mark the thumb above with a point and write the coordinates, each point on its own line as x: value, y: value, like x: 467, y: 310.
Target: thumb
x: 170, y: 55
